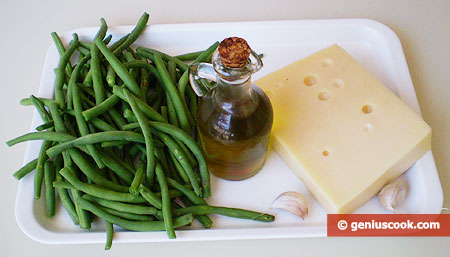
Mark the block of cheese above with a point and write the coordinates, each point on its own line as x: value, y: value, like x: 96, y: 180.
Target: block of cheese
x: 340, y: 130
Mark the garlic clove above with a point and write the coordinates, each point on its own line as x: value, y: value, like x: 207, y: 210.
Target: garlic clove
x: 292, y: 202
x: 393, y: 195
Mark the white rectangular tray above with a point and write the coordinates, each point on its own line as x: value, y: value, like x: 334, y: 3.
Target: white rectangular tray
x: 374, y: 45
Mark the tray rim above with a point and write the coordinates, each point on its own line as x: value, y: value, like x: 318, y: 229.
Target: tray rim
x: 38, y: 233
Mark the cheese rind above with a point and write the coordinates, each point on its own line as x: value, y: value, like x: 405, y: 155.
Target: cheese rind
x: 341, y: 130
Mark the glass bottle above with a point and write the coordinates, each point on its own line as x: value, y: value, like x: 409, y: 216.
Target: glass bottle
x: 234, y: 116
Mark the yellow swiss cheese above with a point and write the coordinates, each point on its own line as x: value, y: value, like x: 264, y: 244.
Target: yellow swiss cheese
x: 341, y: 130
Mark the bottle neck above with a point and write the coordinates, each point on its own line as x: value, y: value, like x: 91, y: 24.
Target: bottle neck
x: 236, y: 97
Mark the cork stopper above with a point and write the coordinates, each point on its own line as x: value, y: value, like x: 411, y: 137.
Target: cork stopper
x: 234, y: 52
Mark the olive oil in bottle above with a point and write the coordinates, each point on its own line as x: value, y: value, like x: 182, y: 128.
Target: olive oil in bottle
x: 235, y: 117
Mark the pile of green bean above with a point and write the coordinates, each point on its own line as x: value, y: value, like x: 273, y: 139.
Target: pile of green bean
x: 119, y: 138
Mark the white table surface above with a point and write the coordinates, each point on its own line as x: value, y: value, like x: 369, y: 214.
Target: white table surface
x: 422, y: 26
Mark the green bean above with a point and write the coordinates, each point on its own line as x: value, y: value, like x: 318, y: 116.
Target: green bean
x: 101, y: 108
x: 96, y: 138
x: 163, y: 110
x: 128, y: 216
x: 45, y: 135
x: 182, y: 84
x: 59, y: 127
x: 110, y: 75
x: 154, y: 93
x: 64, y: 194
x: 40, y: 108
x: 189, y: 142
x: 144, y: 82
x: 28, y: 102
x: 39, y: 174
x: 73, y: 82
x: 63, y: 185
x: 157, y: 103
x: 172, y: 69
x: 201, y: 58
x: 99, y: 191
x: 192, y: 102
x: 88, y: 79
x: 173, y: 93
x: 230, y: 212
x: 182, y: 159
x: 125, y: 207
x: 134, y: 225
x: 113, y: 143
x: 118, y: 67
x: 149, y: 147
x: 83, y: 48
x: 147, y: 52
x: 129, y: 57
x: 25, y: 170
x: 137, y: 180
x: 49, y: 177
x: 147, y: 110
x: 117, y: 167
x: 171, y: 168
x: 46, y: 125
x: 173, y: 193
x: 150, y: 197
x: 144, y: 65
x: 133, y: 149
x: 192, y: 145
x: 59, y: 80
x: 167, y: 214
x: 179, y: 168
x: 140, y: 26
x: 101, y: 124
x: 172, y: 114
x: 117, y: 117
x: 107, y: 39
x: 86, y: 89
x: 83, y: 216
x: 68, y: 124
x: 187, y: 153
x: 203, y: 219
x: 189, y: 56
x: 92, y: 172
x: 188, y: 193
x: 61, y: 49
x: 82, y: 125
x: 161, y: 157
x: 116, y: 44
x: 114, y: 178
x: 109, y: 234
x: 95, y: 65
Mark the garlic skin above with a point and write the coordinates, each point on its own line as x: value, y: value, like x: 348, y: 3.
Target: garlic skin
x: 292, y: 202
x: 392, y: 195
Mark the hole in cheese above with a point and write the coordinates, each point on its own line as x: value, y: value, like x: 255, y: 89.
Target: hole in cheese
x: 323, y: 96
x: 368, y: 127
x: 367, y: 109
x: 310, y: 80
x: 327, y: 62
x: 338, y: 83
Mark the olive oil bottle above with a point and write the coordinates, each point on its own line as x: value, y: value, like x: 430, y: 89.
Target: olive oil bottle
x: 234, y: 117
